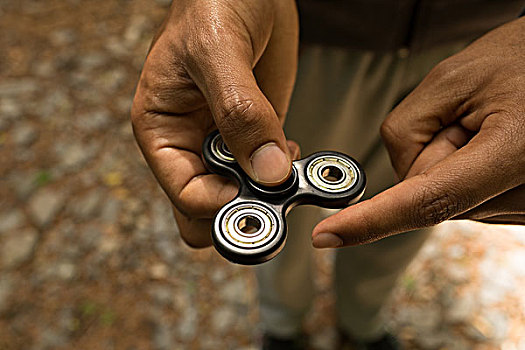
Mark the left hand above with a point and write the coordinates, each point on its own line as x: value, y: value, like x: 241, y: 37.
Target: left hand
x: 458, y: 144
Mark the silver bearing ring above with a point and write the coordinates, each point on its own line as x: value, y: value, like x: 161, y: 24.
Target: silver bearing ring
x: 220, y: 150
x: 248, y: 226
x: 331, y: 173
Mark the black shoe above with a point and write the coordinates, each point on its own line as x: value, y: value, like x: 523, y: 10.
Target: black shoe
x: 271, y: 342
x: 386, y: 342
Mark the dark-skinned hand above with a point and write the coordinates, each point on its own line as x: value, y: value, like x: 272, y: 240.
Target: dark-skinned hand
x: 457, y: 142
x: 222, y: 64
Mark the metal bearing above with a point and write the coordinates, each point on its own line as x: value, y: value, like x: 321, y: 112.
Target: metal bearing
x: 331, y: 173
x: 220, y: 150
x: 249, y: 226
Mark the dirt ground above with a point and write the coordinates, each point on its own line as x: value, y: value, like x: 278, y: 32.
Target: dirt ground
x: 90, y: 257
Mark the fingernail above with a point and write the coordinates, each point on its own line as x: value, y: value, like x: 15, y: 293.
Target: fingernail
x: 270, y: 164
x: 327, y: 240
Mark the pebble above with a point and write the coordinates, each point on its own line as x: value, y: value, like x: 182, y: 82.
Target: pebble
x: 94, y: 121
x: 424, y: 319
x: 499, y: 324
x: 93, y: 60
x: 136, y: 28
x: 44, y: 205
x: 16, y: 87
x: 6, y: 287
x: 74, y: 155
x: 163, y: 295
x: 222, y: 319
x: 10, y: 109
x: 11, y: 220
x: 111, y: 210
x: 163, y: 337
x: 62, y: 37
x: 44, y: 68
x: 159, y: 271
x: 187, y: 324
x: 54, y: 104
x: 462, y: 309
x: 87, y: 206
x: 235, y: 291
x: 23, y: 183
x: 62, y: 270
x: 18, y: 247
x: 24, y: 135
x: 457, y: 273
x: 433, y: 340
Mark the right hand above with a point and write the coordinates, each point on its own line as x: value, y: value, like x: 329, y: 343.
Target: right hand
x: 223, y: 64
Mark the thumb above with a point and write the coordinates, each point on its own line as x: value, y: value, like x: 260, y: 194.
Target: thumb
x: 245, y: 118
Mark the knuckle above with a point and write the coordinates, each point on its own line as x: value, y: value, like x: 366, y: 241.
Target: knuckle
x: 236, y: 114
x: 433, y: 205
x: 388, y: 131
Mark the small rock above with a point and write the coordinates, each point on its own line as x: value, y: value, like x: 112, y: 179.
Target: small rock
x: 499, y: 324
x: 116, y: 46
x: 51, y: 339
x: 75, y: 155
x: 90, y: 236
x: 44, y: 69
x: 424, y: 320
x: 93, y: 60
x: 87, y: 205
x: 65, y: 270
x: 457, y: 273
x: 456, y: 251
x: 44, y: 205
x: 432, y: 340
x: 123, y: 105
x: 218, y: 275
x: 62, y: 37
x: 235, y: 291
x: 136, y: 28
x: 6, y: 287
x: 24, y: 135
x: 163, y: 337
x: 108, y: 244
x: 9, y: 109
x: 24, y: 184
x: 223, y: 319
x: 94, y: 121
x: 462, y: 309
x: 17, y: 87
x: 18, y: 246
x: 111, y: 210
x: 11, y: 220
x: 187, y: 325
x: 159, y: 271
x: 163, y: 295
x: 111, y: 80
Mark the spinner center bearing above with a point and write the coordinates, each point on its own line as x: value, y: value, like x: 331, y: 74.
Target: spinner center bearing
x: 220, y: 150
x: 331, y: 173
x: 248, y: 233
x: 249, y: 225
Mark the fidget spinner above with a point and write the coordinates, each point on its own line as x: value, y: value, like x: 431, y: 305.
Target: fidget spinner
x: 251, y: 229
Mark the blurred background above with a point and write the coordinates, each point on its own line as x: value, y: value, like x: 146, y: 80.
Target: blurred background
x: 90, y: 257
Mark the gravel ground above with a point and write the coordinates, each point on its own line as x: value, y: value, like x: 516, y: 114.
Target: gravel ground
x: 89, y: 254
